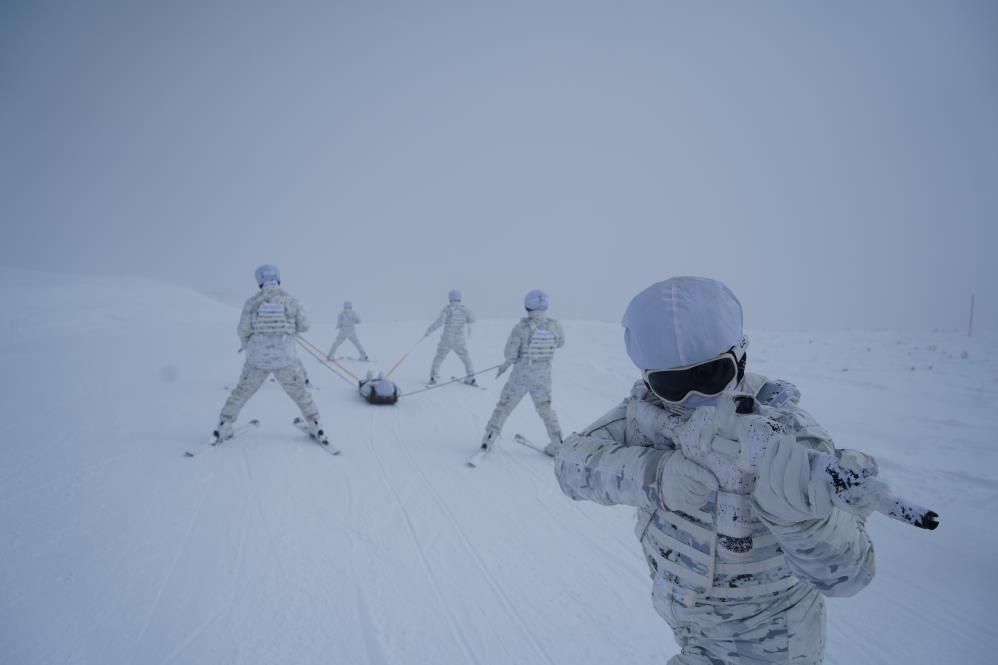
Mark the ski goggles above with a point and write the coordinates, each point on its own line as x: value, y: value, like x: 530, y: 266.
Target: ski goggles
x: 708, y: 378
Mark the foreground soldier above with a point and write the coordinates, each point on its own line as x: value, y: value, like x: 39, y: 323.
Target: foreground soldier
x: 763, y: 605
x: 267, y: 329
x: 529, y: 350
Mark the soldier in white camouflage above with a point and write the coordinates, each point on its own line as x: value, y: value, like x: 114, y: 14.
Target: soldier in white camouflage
x: 765, y: 605
x: 346, y: 323
x: 270, y: 320
x: 454, y: 318
x: 529, y: 350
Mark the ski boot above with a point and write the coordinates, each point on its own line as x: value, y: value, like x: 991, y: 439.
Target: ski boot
x: 551, y: 450
x: 470, y: 381
x: 433, y: 380
x: 224, y: 430
x: 489, y: 439
x: 317, y: 433
x: 364, y: 358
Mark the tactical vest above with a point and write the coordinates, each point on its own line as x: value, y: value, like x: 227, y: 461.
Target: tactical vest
x: 682, y: 552
x: 540, y: 345
x: 272, y: 318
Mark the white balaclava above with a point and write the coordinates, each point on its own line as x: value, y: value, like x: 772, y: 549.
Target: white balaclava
x: 267, y: 274
x: 536, y: 301
x: 682, y: 321
x: 347, y: 304
x: 454, y: 295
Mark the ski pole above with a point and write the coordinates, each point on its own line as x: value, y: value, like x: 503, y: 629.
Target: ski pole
x: 318, y: 350
x: 323, y: 361
x: 395, y: 366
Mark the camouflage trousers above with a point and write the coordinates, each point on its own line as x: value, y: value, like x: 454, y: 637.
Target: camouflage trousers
x: 457, y: 347
x: 342, y: 337
x: 788, y: 629
x: 291, y: 378
x: 537, y: 381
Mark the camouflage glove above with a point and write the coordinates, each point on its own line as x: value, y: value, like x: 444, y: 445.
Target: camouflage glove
x: 684, y: 485
x: 786, y: 490
x: 502, y: 368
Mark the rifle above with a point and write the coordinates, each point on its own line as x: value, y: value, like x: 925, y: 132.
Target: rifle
x: 731, y: 440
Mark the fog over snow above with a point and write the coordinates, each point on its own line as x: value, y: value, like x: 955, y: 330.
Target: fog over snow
x: 834, y: 163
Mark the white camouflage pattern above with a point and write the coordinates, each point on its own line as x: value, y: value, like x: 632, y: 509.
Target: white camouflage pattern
x: 347, y: 325
x: 531, y: 371
x: 276, y: 349
x: 292, y: 379
x: 764, y: 609
x: 454, y: 318
x: 267, y: 329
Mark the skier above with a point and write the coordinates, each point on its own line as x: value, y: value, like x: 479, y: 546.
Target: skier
x: 529, y: 349
x: 764, y: 605
x: 454, y: 317
x: 270, y: 320
x: 347, y: 325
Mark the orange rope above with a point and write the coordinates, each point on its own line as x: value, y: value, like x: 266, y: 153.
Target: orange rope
x: 319, y: 351
x: 395, y: 366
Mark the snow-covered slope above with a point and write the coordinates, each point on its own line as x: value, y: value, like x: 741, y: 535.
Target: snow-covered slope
x: 114, y: 548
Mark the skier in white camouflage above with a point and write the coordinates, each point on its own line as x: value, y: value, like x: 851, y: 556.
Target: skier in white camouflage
x: 454, y: 318
x: 347, y: 325
x: 765, y: 603
x: 270, y: 320
x: 529, y: 350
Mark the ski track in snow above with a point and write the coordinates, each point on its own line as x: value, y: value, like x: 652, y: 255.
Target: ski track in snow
x: 471, y: 550
x: 459, y: 637
x: 212, y: 618
x: 180, y: 550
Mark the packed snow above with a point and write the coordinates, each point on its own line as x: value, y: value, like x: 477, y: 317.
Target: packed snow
x: 117, y: 549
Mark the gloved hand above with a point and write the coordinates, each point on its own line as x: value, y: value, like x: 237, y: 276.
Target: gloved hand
x: 847, y: 476
x: 502, y: 368
x: 787, y: 491
x: 683, y: 484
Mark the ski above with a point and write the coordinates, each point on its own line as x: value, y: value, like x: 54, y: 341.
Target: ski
x: 522, y: 440
x: 356, y: 360
x: 323, y: 442
x: 214, y: 441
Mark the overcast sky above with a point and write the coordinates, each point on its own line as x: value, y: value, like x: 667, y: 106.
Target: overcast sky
x: 836, y: 164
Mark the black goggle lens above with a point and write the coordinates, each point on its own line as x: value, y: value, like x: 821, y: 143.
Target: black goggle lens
x: 709, y: 378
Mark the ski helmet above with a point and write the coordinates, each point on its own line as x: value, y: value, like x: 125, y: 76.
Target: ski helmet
x: 454, y: 295
x: 347, y: 304
x: 536, y: 300
x: 267, y: 274
x: 680, y: 322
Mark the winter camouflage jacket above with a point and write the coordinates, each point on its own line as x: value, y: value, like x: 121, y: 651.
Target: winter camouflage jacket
x: 267, y: 328
x: 347, y: 321
x: 454, y: 318
x: 614, y: 461
x: 534, y: 340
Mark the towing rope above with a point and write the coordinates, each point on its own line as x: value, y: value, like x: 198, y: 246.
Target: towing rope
x: 323, y: 362
x: 454, y: 380
x: 319, y: 351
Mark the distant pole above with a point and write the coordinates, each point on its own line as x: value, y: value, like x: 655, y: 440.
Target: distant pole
x: 970, y: 326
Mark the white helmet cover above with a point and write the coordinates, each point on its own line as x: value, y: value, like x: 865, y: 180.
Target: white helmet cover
x: 681, y: 321
x: 536, y: 300
x: 267, y: 274
x: 454, y: 295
